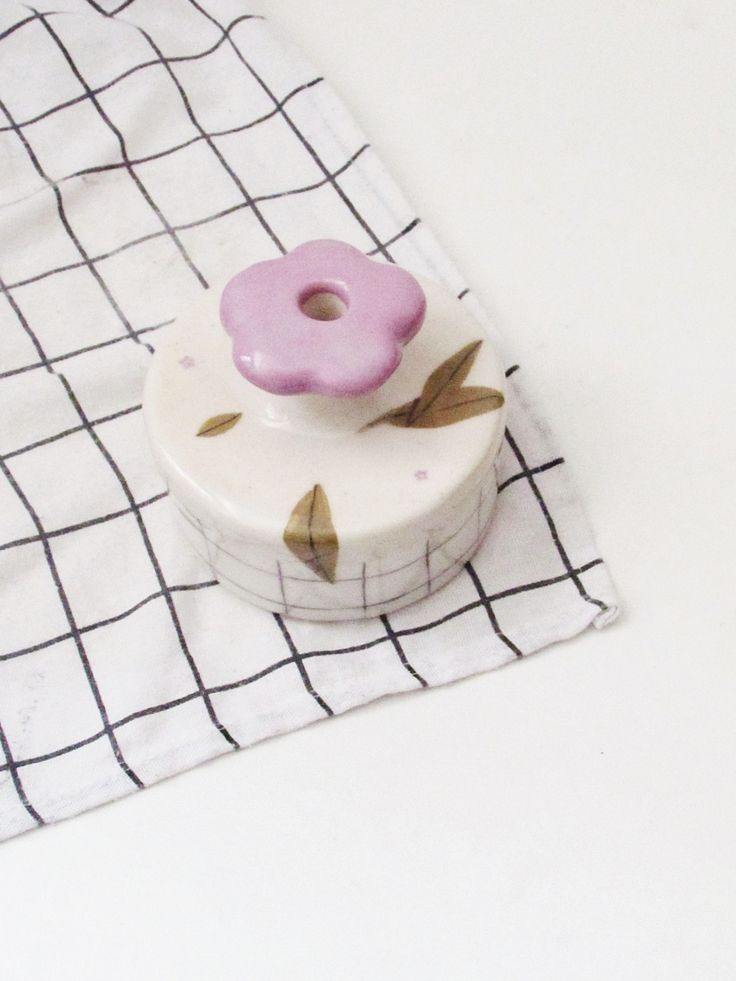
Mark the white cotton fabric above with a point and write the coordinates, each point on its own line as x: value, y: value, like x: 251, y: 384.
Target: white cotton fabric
x: 147, y: 149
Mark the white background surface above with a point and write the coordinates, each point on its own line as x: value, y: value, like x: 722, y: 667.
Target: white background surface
x: 571, y: 816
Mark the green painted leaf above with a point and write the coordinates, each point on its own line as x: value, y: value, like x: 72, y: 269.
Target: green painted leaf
x: 216, y: 425
x: 310, y: 535
x: 444, y: 401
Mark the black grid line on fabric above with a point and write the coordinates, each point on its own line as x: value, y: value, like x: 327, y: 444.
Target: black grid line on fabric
x: 184, y: 97
x: 155, y: 563
x: 145, y: 193
x: 54, y: 437
x: 561, y: 550
x: 485, y: 600
x: 59, y: 107
x: 76, y: 634
x: 461, y: 610
x: 298, y: 661
x: 394, y: 638
x: 74, y: 630
x: 159, y: 594
x: 183, y: 226
x: 523, y: 474
x: 67, y: 226
x: 98, y: 9
x: 296, y: 657
x: 15, y: 27
x: 123, y: 5
x: 116, y: 618
x: 47, y: 362
x: 160, y: 154
x: 298, y: 134
x: 303, y: 656
x: 88, y: 523
x: 382, y: 246
x: 40, y: 646
x: 26, y: 327
x: 14, y: 776
x: 213, y: 146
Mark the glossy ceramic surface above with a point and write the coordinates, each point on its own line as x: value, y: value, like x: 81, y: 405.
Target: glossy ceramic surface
x: 323, y: 319
x: 331, y: 507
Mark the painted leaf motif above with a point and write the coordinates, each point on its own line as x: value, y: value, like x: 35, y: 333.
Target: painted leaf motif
x: 396, y: 417
x: 452, y: 407
x: 444, y: 401
x: 310, y: 535
x: 216, y: 425
x: 449, y: 376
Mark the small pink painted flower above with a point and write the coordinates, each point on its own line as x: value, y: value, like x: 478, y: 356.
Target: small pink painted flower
x: 187, y: 361
x: 421, y: 474
x: 323, y: 318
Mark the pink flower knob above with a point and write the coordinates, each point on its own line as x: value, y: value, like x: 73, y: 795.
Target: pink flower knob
x: 323, y: 318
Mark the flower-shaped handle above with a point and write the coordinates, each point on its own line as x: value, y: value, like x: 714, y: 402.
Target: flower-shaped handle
x: 323, y: 318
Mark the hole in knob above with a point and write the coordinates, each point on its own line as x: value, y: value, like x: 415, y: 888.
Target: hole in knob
x: 323, y: 305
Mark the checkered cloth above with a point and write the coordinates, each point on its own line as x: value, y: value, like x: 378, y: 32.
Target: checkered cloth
x: 147, y: 149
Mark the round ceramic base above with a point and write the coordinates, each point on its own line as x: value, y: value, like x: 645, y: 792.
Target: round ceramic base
x: 331, y: 508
